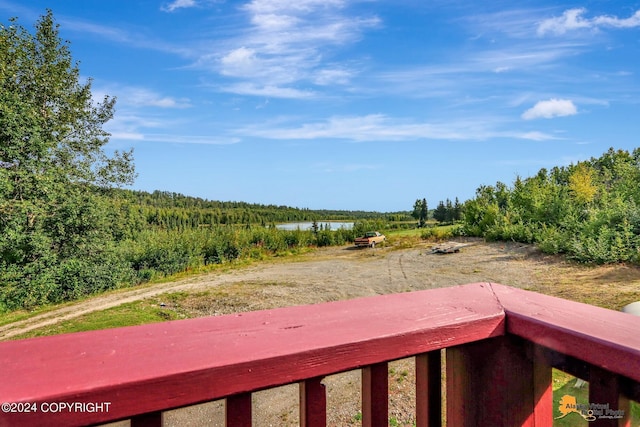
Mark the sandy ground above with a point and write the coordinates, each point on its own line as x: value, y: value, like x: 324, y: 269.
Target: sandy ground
x: 328, y: 275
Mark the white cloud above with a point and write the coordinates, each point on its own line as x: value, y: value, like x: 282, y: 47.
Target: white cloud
x: 178, y: 4
x: 267, y: 91
x: 136, y: 128
x: 273, y: 22
x: 522, y: 57
x: 612, y: 21
x: 127, y: 136
x: 122, y: 36
x: 239, y: 62
x: 331, y: 76
x: 190, y: 139
x: 106, y: 32
x: 514, y: 23
x: 129, y: 96
x: 572, y: 19
x: 551, y: 108
x: 535, y: 136
x: 286, y: 43
x: 278, y: 6
x: 379, y: 127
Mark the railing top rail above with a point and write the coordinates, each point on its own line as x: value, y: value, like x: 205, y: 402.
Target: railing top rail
x: 167, y: 365
x: 605, y: 338
x: 180, y: 363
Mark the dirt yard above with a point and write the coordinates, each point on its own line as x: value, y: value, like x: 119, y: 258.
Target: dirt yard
x: 341, y: 273
x: 327, y: 274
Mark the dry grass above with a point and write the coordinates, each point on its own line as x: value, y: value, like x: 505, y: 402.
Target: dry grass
x: 609, y: 286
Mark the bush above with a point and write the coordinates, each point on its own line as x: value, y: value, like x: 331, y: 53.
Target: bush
x: 324, y: 238
x: 437, y: 233
x: 78, y: 278
x: 552, y: 240
x: 221, y: 248
x: 162, y: 252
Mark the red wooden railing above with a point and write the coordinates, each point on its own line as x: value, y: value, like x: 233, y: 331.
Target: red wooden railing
x: 501, y: 344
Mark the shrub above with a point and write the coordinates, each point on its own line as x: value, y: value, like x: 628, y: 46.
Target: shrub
x: 437, y: 233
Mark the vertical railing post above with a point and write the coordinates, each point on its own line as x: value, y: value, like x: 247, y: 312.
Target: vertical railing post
x: 238, y: 410
x: 604, y: 389
x: 494, y: 382
x: 429, y: 389
x: 375, y: 395
x: 542, y: 387
x: 313, y: 403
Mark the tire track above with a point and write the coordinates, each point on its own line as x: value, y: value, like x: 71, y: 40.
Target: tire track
x: 404, y: 274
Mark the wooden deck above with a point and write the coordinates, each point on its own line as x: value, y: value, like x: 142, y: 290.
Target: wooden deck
x: 501, y: 345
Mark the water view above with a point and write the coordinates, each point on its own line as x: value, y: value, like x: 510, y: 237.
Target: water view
x: 322, y: 225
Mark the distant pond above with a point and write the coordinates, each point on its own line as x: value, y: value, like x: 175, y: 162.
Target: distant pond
x: 331, y: 225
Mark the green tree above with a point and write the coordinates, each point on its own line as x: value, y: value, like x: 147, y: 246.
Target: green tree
x: 440, y: 213
x: 457, y: 210
x: 448, y: 211
x: 53, y: 220
x: 420, y: 211
x: 581, y: 184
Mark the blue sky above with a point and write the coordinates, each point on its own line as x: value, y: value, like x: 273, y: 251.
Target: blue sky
x: 364, y: 104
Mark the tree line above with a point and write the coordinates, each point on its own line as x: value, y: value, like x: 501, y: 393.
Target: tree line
x: 170, y: 210
x: 588, y: 210
x: 445, y: 212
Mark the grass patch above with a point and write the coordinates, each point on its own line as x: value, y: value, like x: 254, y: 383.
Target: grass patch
x: 129, y: 314
x: 18, y: 315
x: 404, y: 239
x: 409, y: 232
x: 220, y: 300
x: 443, y: 232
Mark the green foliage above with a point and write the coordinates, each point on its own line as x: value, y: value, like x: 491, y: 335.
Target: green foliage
x: 447, y: 211
x: 420, y: 212
x: 588, y: 211
x: 437, y: 233
x: 56, y: 240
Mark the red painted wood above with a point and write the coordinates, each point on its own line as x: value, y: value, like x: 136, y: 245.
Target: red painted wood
x: 604, y: 388
x: 313, y: 403
x: 601, y: 337
x: 238, y: 410
x: 429, y: 389
x: 492, y: 383
x: 375, y: 395
x: 153, y: 419
x: 162, y: 366
x: 543, y: 388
